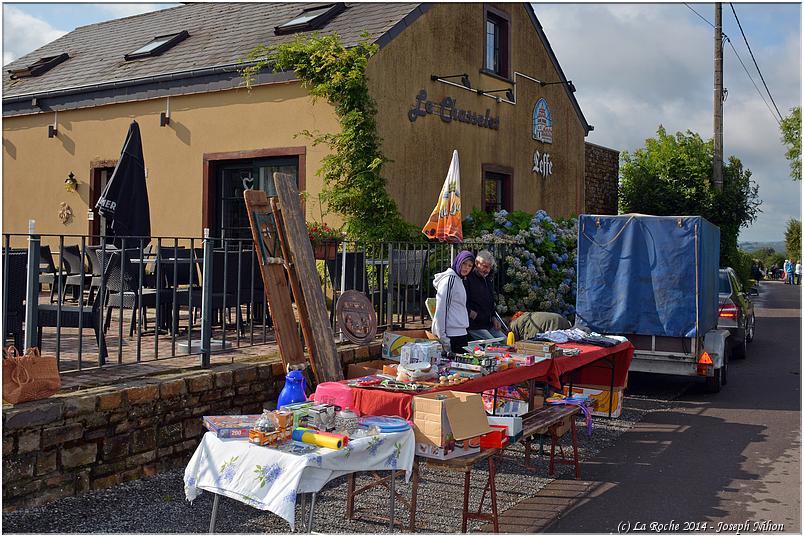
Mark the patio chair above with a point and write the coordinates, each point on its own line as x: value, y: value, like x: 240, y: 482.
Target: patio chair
x: 123, y: 289
x: 97, y: 271
x: 49, y: 274
x: 405, y: 278
x: 72, y: 258
x: 356, y: 278
x: 63, y: 316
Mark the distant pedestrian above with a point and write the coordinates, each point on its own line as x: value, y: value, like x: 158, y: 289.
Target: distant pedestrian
x: 788, y: 272
x: 798, y: 272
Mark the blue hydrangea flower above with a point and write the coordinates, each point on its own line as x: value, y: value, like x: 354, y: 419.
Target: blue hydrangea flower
x: 554, y: 266
x: 499, y: 232
x: 509, y: 224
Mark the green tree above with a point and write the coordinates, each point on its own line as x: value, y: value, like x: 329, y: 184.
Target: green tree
x: 354, y: 185
x: 792, y: 239
x: 791, y: 136
x: 672, y: 175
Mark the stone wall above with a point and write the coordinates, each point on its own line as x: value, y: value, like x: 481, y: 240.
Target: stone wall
x: 601, y: 179
x: 100, y: 437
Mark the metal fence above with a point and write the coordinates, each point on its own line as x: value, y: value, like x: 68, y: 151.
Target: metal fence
x: 95, y: 303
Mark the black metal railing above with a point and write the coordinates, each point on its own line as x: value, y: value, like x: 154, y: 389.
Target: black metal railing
x: 138, y: 299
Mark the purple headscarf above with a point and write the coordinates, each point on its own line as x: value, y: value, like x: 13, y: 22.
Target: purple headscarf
x: 462, y: 256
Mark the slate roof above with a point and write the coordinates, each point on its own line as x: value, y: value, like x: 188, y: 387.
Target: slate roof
x: 220, y: 35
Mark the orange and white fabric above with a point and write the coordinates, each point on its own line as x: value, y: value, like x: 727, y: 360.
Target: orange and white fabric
x: 444, y: 223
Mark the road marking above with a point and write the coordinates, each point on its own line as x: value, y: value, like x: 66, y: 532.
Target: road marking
x: 777, y: 312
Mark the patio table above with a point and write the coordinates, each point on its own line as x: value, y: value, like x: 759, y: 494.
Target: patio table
x: 270, y: 478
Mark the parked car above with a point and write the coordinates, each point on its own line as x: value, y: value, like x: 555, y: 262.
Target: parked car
x: 735, y: 313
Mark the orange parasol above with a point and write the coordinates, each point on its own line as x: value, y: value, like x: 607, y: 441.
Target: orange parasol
x: 444, y: 223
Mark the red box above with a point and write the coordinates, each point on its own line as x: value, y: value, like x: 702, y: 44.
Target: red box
x: 498, y: 438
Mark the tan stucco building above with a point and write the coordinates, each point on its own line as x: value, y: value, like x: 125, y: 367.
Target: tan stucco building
x: 205, y: 136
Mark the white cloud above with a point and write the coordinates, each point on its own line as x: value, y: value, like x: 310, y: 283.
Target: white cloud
x: 126, y: 10
x: 637, y: 66
x: 23, y: 33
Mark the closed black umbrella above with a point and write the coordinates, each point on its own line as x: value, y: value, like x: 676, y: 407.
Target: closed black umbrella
x: 124, y: 201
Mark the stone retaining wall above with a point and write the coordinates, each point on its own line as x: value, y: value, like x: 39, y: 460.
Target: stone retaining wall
x: 100, y: 437
x: 601, y: 179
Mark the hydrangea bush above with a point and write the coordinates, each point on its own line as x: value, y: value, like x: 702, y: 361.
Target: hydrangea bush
x: 536, y: 256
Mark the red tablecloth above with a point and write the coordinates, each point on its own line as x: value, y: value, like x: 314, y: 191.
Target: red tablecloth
x: 588, y: 368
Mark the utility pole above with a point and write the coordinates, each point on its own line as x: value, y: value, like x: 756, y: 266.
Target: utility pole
x: 717, y: 161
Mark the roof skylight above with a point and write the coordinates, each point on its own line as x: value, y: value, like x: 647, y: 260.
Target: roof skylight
x: 157, y: 45
x: 311, y: 18
x: 40, y: 66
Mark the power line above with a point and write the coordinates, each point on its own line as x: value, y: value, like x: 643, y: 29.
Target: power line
x: 699, y: 15
x: 752, y: 81
x: 755, y: 61
x: 759, y: 92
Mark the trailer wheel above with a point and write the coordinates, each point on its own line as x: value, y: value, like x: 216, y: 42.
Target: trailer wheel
x: 720, y: 378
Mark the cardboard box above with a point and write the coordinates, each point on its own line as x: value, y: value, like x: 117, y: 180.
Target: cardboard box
x: 498, y: 438
x: 513, y: 424
x: 231, y: 426
x: 443, y: 418
x: 392, y: 342
x: 600, y: 398
x: 364, y: 369
x: 535, y: 347
x: 458, y: 449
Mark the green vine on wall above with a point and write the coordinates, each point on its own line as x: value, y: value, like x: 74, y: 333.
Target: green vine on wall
x: 353, y: 182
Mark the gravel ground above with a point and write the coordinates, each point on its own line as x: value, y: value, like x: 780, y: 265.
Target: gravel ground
x: 157, y: 504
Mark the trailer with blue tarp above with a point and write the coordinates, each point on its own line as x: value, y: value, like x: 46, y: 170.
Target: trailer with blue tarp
x: 654, y: 279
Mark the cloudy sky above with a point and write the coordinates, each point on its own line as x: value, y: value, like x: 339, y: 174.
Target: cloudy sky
x: 635, y: 66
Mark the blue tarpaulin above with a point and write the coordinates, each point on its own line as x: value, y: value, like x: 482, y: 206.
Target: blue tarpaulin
x: 640, y: 274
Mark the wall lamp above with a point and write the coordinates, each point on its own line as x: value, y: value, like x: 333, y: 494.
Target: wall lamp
x: 509, y: 94
x: 569, y: 84
x: 164, y: 117
x: 71, y: 183
x: 52, y: 130
x: 445, y: 79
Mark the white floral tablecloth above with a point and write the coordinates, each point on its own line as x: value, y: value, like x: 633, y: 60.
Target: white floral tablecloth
x: 270, y: 478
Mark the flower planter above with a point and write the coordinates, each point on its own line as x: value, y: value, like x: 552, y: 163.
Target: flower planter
x: 325, y: 250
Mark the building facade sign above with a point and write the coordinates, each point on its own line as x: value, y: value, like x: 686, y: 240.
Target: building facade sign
x: 542, y: 122
x: 448, y: 111
x: 542, y: 164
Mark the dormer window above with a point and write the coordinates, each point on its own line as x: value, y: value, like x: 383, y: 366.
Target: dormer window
x: 311, y: 18
x: 37, y: 68
x: 158, y: 45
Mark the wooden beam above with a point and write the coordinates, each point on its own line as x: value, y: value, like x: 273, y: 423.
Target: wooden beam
x: 272, y: 269
x: 325, y: 356
x: 295, y: 286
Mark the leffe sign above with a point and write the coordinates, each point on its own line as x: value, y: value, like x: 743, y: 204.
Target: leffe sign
x: 542, y: 164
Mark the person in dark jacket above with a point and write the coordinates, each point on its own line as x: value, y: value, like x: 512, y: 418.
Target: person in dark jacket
x: 483, y: 322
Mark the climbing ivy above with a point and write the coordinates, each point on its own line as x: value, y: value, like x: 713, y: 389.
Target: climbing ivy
x: 352, y: 171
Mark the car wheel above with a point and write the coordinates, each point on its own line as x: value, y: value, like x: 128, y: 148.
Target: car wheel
x: 752, y: 323
x: 739, y: 350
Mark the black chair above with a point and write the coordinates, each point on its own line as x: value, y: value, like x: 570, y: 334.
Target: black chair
x: 405, y: 278
x: 123, y: 287
x: 96, y: 269
x: 232, y: 274
x: 49, y: 274
x: 75, y: 267
x: 355, y: 272
x: 15, y: 270
x: 63, y: 316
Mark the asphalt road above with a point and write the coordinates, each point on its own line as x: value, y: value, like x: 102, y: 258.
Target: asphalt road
x: 711, y: 462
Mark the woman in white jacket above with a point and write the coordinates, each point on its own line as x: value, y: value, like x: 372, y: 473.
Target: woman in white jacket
x: 451, y: 318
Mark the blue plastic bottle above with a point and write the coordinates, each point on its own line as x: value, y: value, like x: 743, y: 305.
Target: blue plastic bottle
x: 293, y: 391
